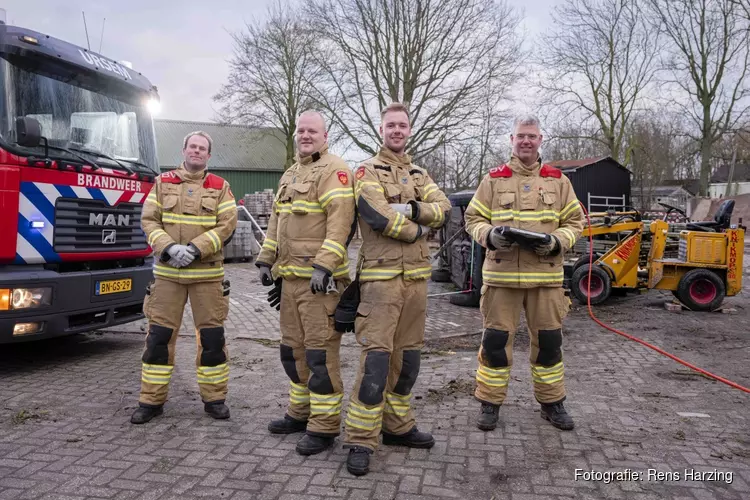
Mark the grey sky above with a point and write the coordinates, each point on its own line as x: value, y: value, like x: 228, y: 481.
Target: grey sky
x: 182, y: 47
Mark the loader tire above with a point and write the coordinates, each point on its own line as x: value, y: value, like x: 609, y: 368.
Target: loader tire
x: 584, y: 259
x: 601, y: 285
x: 441, y: 276
x: 701, y: 290
x: 470, y: 299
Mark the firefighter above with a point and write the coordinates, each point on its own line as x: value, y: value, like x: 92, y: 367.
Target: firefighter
x: 524, y: 194
x: 188, y: 217
x: 398, y: 204
x: 305, y: 250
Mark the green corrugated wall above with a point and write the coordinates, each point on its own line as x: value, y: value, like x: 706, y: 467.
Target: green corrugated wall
x: 246, y: 182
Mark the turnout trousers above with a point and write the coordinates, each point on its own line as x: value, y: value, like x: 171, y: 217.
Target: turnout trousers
x: 545, y: 308
x: 390, y: 328
x: 163, y: 306
x: 310, y: 356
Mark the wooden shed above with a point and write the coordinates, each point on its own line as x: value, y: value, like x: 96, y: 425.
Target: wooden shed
x: 599, y: 183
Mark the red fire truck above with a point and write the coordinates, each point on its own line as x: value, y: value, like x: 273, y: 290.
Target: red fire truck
x: 77, y: 159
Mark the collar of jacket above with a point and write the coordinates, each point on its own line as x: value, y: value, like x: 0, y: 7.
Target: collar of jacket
x: 184, y: 174
x: 518, y: 167
x: 389, y: 156
x: 313, y: 157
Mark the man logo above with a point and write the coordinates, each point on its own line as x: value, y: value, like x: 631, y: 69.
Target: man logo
x: 109, y: 236
x: 110, y: 220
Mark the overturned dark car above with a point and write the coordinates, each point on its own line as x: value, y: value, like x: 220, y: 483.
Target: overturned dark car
x: 460, y: 258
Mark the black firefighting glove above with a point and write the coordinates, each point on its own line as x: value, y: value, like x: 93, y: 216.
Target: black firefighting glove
x: 319, y: 281
x: 346, y: 310
x: 265, y: 275
x: 274, y: 295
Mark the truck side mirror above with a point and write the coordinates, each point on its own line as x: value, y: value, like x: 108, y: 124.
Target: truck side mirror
x: 28, y: 131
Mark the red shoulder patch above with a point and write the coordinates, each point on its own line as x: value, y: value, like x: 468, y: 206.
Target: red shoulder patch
x: 170, y: 177
x: 548, y: 171
x: 343, y: 177
x: 501, y: 171
x: 213, y: 182
x: 360, y: 173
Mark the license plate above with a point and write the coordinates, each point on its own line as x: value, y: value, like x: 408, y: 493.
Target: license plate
x: 113, y: 286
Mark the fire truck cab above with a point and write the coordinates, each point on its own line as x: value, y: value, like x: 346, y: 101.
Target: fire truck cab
x: 77, y: 159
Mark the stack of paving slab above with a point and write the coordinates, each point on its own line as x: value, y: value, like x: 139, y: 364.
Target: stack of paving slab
x: 244, y: 245
x: 260, y: 204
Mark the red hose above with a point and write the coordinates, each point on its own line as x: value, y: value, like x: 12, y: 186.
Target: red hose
x: 636, y: 339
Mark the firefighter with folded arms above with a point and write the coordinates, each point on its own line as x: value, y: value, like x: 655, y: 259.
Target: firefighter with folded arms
x: 397, y: 204
x: 305, y: 249
x: 187, y: 217
x: 523, y: 194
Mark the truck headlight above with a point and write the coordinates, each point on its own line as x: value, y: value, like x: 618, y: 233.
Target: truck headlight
x: 24, y: 298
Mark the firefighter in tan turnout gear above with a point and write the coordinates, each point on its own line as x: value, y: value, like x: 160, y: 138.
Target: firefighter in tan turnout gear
x: 523, y: 194
x: 187, y: 217
x: 397, y: 203
x: 306, y: 250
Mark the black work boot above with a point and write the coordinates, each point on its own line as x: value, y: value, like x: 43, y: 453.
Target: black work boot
x: 312, y: 445
x: 144, y: 414
x: 556, y: 415
x: 287, y: 425
x: 413, y: 439
x: 487, y: 419
x: 358, y: 461
x: 217, y: 410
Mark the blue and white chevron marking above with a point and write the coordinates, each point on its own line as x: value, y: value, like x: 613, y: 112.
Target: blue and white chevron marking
x: 37, y: 204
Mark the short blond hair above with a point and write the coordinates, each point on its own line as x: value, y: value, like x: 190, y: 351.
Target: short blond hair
x: 200, y: 133
x: 394, y: 106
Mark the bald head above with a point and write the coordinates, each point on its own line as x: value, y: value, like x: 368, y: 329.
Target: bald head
x: 311, y: 132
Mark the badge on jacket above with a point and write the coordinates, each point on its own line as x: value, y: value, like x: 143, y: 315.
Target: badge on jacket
x: 190, y: 191
x: 343, y: 178
x: 404, y: 180
x: 360, y: 172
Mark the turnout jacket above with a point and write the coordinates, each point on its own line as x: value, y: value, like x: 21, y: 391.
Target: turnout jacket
x: 185, y: 207
x: 312, y: 220
x: 393, y: 245
x: 537, y: 198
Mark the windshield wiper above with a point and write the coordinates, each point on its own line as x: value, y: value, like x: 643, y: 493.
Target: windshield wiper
x: 140, y: 164
x: 106, y: 157
x: 91, y: 163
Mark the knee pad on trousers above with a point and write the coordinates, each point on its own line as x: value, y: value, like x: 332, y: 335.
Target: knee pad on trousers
x: 320, y: 382
x: 409, y: 372
x: 212, y: 341
x: 493, y: 345
x: 375, y: 377
x: 550, y: 347
x: 157, y: 345
x: 287, y: 361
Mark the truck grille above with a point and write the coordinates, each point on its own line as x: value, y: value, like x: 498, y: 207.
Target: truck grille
x: 74, y: 231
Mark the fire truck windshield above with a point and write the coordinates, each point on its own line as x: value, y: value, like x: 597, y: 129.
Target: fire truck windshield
x: 78, y: 119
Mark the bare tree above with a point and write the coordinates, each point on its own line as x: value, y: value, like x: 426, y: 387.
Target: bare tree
x: 659, y: 151
x: 571, y: 141
x: 708, y: 60
x: 267, y: 85
x: 600, y: 59
x: 436, y: 56
x: 744, y: 7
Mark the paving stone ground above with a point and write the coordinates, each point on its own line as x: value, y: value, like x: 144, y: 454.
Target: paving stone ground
x: 65, y: 434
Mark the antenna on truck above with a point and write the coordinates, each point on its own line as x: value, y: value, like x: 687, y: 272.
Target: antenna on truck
x: 102, y: 37
x: 86, y: 29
